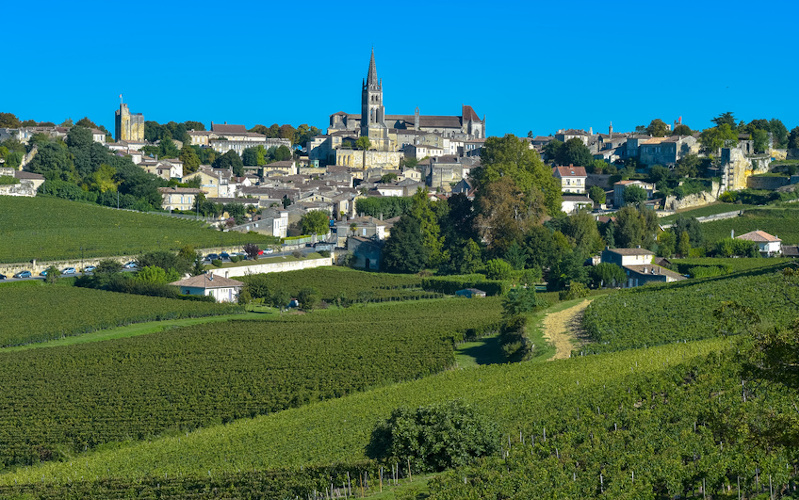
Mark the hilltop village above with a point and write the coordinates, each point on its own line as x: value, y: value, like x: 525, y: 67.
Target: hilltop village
x: 398, y: 306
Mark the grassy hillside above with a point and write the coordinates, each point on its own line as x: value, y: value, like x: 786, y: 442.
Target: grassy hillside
x: 45, y: 228
x: 781, y: 222
x: 68, y: 399
x: 37, y: 312
x: 517, y: 397
x: 681, y: 311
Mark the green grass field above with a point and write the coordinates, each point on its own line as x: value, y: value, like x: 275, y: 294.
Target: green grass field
x: 45, y: 228
x: 716, y: 208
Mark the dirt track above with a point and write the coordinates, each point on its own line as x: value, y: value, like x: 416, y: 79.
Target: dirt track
x: 560, y: 328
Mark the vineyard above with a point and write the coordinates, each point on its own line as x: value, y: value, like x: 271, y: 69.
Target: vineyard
x: 683, y: 311
x: 519, y: 397
x: 725, y: 265
x: 781, y: 222
x: 60, y: 401
x: 717, y: 208
x: 339, y: 284
x: 53, y: 229
x: 37, y: 312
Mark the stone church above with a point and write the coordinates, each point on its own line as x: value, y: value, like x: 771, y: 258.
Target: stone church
x: 388, y: 134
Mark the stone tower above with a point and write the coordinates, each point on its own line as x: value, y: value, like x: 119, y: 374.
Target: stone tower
x: 128, y: 126
x: 373, y: 113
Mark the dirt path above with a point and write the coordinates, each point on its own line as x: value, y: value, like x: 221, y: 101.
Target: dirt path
x: 560, y: 328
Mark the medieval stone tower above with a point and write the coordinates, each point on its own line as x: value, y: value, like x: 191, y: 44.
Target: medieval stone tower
x: 127, y: 126
x: 373, y: 113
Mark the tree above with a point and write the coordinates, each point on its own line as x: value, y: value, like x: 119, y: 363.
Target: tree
x: 103, y: 179
x: 520, y: 300
x: 607, y: 275
x: 498, y: 269
x: 760, y: 138
x: 426, y: 212
x: 434, y: 438
x: 684, y: 245
x: 690, y: 225
x: 505, y: 214
x: 657, y: 128
x: 79, y: 138
x: 308, y: 298
x: 9, y: 120
x: 658, y: 174
x: 315, y: 222
x: 682, y: 130
x: 634, y: 195
x: 569, y: 269
x: 85, y: 122
x: 155, y: 274
x: 51, y: 274
x: 793, y: 138
x: 667, y: 244
x: 230, y: 160
x: 515, y: 256
x: 252, y: 251
x: 574, y: 152
x: 552, y: 148
x: 404, y: 251
x: 779, y: 133
x: 168, y: 149
x: 191, y: 162
x: 725, y: 119
x: 388, y: 178
x: 688, y: 166
x: 629, y: 228
x: 715, y: 138
x: 510, y: 157
x: 597, y: 194
x: 582, y: 230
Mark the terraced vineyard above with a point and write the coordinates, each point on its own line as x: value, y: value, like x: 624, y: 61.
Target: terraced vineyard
x: 63, y: 400
x: 519, y: 397
x: 45, y: 228
x: 683, y: 311
x: 41, y: 312
x: 727, y: 265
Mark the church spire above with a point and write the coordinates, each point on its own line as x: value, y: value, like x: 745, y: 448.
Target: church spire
x: 371, y: 77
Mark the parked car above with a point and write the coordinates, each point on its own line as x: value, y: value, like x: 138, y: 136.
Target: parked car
x: 241, y: 255
x: 23, y: 274
x: 43, y: 273
x: 130, y: 265
x: 68, y: 270
x: 89, y: 269
x: 3, y: 276
x: 268, y: 250
x: 211, y: 256
x: 224, y: 256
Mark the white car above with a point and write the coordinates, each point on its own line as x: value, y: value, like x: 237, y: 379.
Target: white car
x: 68, y: 270
x: 130, y: 265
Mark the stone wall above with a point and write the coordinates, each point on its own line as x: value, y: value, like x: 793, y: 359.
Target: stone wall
x: 671, y: 203
x: 272, y: 267
x: 770, y: 183
x: 24, y: 188
x: 354, y: 158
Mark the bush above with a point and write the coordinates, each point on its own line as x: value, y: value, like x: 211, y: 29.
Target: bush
x: 434, y: 438
x: 216, y: 262
x: 576, y: 290
x: 498, y: 269
x: 234, y: 258
x: 521, y: 300
x: 324, y: 253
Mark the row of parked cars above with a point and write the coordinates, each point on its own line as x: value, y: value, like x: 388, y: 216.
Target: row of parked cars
x: 67, y: 271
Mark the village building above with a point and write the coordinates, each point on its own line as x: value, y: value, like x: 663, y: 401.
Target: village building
x: 220, y: 288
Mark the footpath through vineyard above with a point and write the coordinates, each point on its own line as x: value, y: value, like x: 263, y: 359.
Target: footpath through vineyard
x: 561, y: 328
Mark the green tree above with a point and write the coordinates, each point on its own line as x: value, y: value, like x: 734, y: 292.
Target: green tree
x: 715, y: 138
x: 191, y: 162
x: 779, y: 133
x: 690, y: 225
x: 684, y: 245
x: 667, y: 244
x: 103, y: 179
x: 657, y: 128
x: 520, y: 300
x: 250, y: 156
x: 155, y: 274
x: 574, y: 152
x: 760, y: 138
x: 315, y: 222
x: 516, y: 256
x: 434, y: 438
x: 658, y: 174
x: 404, y: 251
x: 308, y: 298
x: 597, y: 194
x: 505, y: 214
x: 688, y: 166
x: 9, y: 120
x: 725, y: 119
x: 629, y: 228
x: 510, y: 157
x: 230, y: 160
x: 425, y: 211
x: 793, y: 138
x: 498, y: 269
x: 634, y: 195
x: 682, y: 130
x: 79, y: 138
x: 552, y: 149
x: 582, y: 230
x: 607, y: 275
x: 569, y: 269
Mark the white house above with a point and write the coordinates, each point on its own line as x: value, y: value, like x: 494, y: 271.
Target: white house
x: 767, y: 244
x: 221, y: 289
x: 572, y: 179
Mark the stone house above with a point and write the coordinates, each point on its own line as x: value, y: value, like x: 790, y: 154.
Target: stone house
x: 619, y: 187
x: 638, y: 264
x: 178, y: 198
x: 666, y: 151
x: 367, y: 252
x: 572, y: 179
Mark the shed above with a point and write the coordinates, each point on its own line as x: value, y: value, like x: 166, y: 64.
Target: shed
x: 220, y: 288
x: 470, y: 293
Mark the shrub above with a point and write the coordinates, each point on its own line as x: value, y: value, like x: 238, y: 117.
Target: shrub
x: 216, y: 262
x: 434, y: 438
x: 576, y: 290
x: 234, y: 258
x: 498, y: 269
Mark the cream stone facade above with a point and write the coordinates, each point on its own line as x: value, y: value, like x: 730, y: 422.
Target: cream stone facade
x: 128, y: 126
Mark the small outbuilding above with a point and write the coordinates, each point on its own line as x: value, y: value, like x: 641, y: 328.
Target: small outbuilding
x: 470, y: 293
x: 767, y: 244
x: 221, y: 289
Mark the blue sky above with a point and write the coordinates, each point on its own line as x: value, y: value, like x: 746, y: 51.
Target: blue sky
x: 527, y: 66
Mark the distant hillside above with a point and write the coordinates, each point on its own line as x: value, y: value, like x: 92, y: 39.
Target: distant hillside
x: 45, y: 228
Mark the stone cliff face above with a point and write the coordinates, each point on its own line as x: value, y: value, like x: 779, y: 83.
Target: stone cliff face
x: 24, y: 188
x: 693, y: 200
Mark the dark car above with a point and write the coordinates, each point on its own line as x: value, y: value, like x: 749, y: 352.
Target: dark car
x: 212, y: 256
x: 3, y: 276
x: 224, y: 256
x: 23, y: 274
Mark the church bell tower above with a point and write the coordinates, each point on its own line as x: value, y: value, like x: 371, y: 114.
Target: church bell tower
x: 373, y: 123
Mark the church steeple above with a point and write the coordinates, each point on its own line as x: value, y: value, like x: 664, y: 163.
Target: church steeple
x: 372, y: 83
